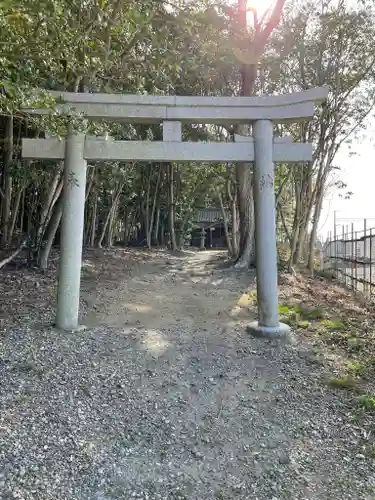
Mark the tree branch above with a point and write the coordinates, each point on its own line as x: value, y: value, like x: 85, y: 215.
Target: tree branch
x: 12, y: 256
x: 271, y: 24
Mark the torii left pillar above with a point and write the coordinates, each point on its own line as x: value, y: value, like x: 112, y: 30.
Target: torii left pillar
x: 71, y: 239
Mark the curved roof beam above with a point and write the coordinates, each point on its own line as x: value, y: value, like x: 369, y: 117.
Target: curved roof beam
x: 155, y: 109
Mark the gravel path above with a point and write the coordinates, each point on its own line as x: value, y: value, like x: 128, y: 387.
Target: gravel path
x: 165, y: 396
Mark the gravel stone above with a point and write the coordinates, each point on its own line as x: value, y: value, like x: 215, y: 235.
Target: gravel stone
x: 161, y: 397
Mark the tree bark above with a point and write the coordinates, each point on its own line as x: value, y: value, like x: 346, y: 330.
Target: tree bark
x: 15, y: 211
x: 152, y: 215
x: 88, y: 220
x: 22, y: 215
x: 225, y: 222
x: 171, y: 214
x: 314, y: 231
x: 147, y: 208
x: 156, y: 227
x: 94, y: 211
x: 127, y: 215
x: 104, y: 230
x: 53, y: 193
x: 90, y: 184
x: 7, y: 179
x: 246, y: 251
x: 110, y: 214
x: 235, y: 226
x: 51, y: 231
x: 112, y: 222
x: 12, y: 256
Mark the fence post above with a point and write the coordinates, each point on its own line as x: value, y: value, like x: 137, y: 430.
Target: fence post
x: 351, y: 255
x: 365, y: 284
x: 356, y: 260
x: 335, y: 243
x: 370, y: 263
x: 343, y: 252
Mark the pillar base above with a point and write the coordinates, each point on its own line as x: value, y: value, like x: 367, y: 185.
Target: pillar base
x: 281, y: 332
x: 77, y: 329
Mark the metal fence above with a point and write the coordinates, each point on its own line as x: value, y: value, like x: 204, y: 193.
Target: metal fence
x: 349, y: 254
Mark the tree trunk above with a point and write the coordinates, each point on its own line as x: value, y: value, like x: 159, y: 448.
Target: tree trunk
x: 130, y: 224
x: 162, y: 235
x: 91, y: 183
x: 147, y: 222
x: 94, y: 211
x: 293, y: 247
x: 112, y: 222
x: 235, y: 225
x: 15, y: 210
x: 246, y: 253
x: 302, y: 233
x: 171, y: 215
x: 88, y: 219
x: 314, y: 231
x: 110, y: 215
x: 51, y: 231
x: 54, y: 191
x: 225, y: 221
x: 125, y: 237
x: 7, y: 179
x: 22, y: 215
x: 104, y: 230
x: 156, y: 227
x: 152, y: 215
x: 6, y: 261
x: 248, y: 70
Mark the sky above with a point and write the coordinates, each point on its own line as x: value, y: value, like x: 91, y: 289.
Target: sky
x: 358, y: 172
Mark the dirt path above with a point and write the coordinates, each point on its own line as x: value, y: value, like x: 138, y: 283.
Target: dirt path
x: 165, y: 396
x: 186, y: 290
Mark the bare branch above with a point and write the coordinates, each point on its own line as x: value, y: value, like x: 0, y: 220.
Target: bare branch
x: 271, y: 25
x: 12, y: 256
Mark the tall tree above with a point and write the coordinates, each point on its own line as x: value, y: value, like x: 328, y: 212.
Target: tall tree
x: 250, y: 43
x: 324, y: 43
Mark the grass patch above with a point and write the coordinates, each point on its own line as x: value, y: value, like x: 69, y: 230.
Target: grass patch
x: 299, y: 316
x: 354, y: 344
x: 289, y: 314
x: 364, y: 368
x: 333, y: 325
x: 303, y: 324
x: 289, y: 309
x: 348, y: 383
x: 367, y: 402
x: 368, y: 369
x: 314, y: 314
x: 356, y: 368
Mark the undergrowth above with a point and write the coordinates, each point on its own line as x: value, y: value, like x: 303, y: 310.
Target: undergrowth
x: 347, y: 335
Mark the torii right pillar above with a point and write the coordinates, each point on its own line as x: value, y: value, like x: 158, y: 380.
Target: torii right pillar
x: 268, y: 324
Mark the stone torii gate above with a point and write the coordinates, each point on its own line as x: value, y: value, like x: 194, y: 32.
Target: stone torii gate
x: 262, y: 149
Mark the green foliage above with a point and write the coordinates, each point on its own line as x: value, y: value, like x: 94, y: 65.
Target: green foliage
x: 333, y: 324
x: 367, y: 402
x: 347, y: 383
x: 148, y: 47
x: 300, y: 315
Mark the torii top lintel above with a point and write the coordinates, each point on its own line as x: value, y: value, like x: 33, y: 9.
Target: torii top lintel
x: 292, y: 107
